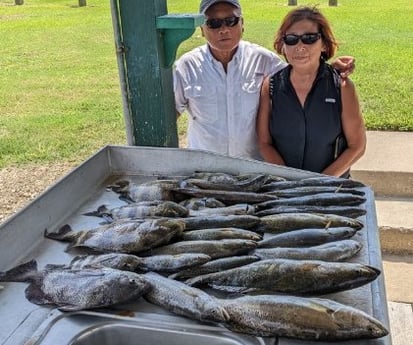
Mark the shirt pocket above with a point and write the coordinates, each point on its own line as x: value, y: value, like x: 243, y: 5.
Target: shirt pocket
x: 203, y: 102
x: 251, y: 93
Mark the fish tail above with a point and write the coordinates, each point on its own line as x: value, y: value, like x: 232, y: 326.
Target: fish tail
x: 100, y: 212
x: 20, y: 273
x: 63, y: 234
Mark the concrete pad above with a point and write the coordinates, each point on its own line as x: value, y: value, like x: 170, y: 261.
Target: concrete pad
x: 398, y: 278
x: 394, y: 212
x: 401, y: 323
x: 387, y: 151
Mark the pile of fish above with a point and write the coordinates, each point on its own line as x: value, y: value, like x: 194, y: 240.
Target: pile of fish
x: 269, y: 248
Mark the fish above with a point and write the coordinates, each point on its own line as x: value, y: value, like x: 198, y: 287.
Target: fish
x: 128, y: 236
x: 313, y: 181
x: 297, y: 277
x: 320, y: 199
x: 215, y: 265
x: 304, y: 318
x: 73, y: 290
x: 183, y: 300
x: 220, y: 234
x: 227, y: 197
x: 141, y: 210
x: 219, y: 221
x: 331, y: 251
x: 133, y: 263
x: 311, y: 190
x: 347, y: 211
x: 147, y: 191
x: 244, y: 183
x: 307, y: 237
x: 213, y: 248
x: 200, y: 203
x: 283, y: 222
x: 237, y: 209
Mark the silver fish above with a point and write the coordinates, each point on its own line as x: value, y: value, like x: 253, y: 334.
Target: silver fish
x: 213, y: 248
x: 216, y: 265
x: 332, y: 251
x: 313, y: 181
x: 320, y: 199
x: 237, y: 209
x: 133, y: 263
x: 141, y: 210
x: 307, y: 237
x: 72, y: 290
x: 347, y: 211
x: 220, y: 234
x: 229, y: 221
x: 124, y: 237
x: 300, y: 318
x: 297, y: 277
x: 184, y: 300
x: 283, y: 222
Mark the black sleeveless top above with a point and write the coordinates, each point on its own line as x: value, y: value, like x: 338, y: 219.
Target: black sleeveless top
x: 309, y: 137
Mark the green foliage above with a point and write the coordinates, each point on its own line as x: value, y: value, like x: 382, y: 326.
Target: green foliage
x: 59, y: 88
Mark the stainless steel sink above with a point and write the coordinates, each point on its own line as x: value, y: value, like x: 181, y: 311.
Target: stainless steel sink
x: 95, y: 328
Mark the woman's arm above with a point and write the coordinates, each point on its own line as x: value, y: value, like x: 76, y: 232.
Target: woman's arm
x: 267, y: 150
x: 353, y: 128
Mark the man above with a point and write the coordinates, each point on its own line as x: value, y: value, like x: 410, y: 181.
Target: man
x: 219, y: 83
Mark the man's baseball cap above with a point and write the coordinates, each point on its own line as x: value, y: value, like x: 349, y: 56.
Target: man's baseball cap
x: 205, y: 4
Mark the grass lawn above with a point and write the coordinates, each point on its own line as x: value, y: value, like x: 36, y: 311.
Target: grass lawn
x: 59, y: 88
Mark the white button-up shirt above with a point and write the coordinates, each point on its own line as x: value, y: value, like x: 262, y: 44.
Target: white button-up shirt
x: 222, y: 106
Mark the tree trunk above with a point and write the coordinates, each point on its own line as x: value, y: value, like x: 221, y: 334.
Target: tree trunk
x: 332, y: 2
x: 292, y: 2
x: 18, y: 2
x: 82, y: 3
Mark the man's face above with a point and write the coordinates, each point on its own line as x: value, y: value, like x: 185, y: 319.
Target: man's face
x: 226, y: 37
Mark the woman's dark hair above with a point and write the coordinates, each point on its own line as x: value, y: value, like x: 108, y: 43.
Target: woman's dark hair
x: 314, y: 15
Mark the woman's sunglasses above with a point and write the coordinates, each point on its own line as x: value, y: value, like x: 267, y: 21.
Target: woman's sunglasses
x: 216, y: 23
x: 310, y: 38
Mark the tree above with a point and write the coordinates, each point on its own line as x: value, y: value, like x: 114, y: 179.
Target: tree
x: 82, y: 3
x: 18, y: 2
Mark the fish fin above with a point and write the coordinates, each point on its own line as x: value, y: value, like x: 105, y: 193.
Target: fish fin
x: 53, y: 267
x: 35, y: 295
x: 69, y: 307
x: 63, y: 234
x: 21, y: 273
x: 119, y: 186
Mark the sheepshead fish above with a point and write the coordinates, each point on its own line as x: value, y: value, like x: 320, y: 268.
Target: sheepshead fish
x: 332, y: 251
x: 213, y: 248
x: 133, y: 263
x: 229, y: 221
x: 182, y: 299
x: 72, y: 290
x: 147, y: 191
x: 215, y: 265
x: 307, y: 237
x: 282, y: 222
x: 347, y: 211
x: 220, y: 234
x: 141, y: 210
x: 237, y: 209
x: 298, y: 277
x: 125, y: 237
x: 200, y: 203
x: 300, y: 318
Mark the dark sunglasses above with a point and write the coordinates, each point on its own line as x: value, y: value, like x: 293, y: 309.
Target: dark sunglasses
x: 216, y: 23
x: 310, y: 38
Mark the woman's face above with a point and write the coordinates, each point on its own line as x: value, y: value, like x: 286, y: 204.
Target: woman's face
x: 301, y: 54
x: 226, y: 38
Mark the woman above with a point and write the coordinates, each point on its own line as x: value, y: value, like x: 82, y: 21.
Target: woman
x: 309, y: 117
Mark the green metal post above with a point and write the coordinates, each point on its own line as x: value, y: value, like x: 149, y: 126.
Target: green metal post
x: 148, y: 84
